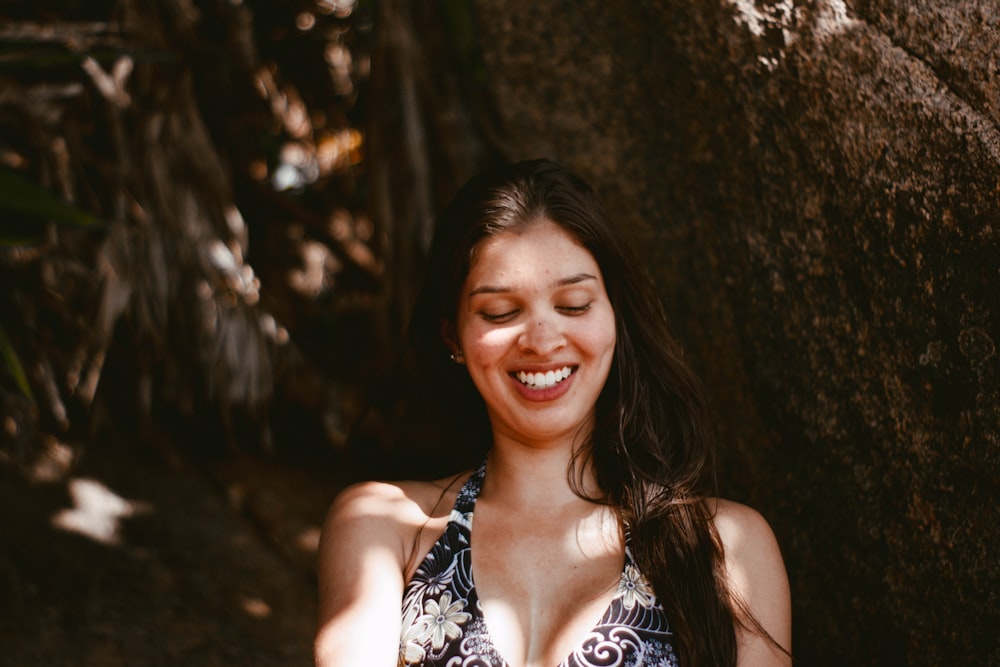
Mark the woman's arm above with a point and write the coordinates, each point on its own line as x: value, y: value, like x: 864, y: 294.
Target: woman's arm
x: 360, y: 575
x: 757, y: 577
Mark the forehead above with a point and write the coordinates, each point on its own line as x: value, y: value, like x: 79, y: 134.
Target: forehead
x: 541, y: 246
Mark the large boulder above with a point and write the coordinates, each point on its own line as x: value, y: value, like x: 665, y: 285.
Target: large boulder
x: 816, y: 189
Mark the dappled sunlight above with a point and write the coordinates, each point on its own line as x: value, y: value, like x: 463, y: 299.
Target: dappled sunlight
x: 308, y: 540
x: 238, y: 277
x: 237, y: 225
x: 341, y: 63
x: 315, y: 275
x: 297, y: 167
x: 339, y: 8
x: 272, y: 329
x: 168, y: 152
x: 317, y: 264
x: 97, y: 513
x: 758, y: 20
x: 824, y: 20
x: 302, y: 163
x: 305, y: 21
x: 111, y: 84
x: 54, y: 462
x: 256, y: 608
x: 832, y: 19
x: 353, y: 233
x: 339, y: 150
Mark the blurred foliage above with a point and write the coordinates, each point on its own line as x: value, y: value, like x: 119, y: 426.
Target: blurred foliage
x: 182, y: 222
x: 214, y: 212
x: 25, y: 207
x: 12, y: 363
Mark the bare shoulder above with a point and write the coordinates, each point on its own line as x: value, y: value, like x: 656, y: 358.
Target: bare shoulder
x: 367, y: 540
x: 388, y: 508
x: 373, y: 500
x: 757, y: 577
x: 753, y: 558
x: 744, y: 532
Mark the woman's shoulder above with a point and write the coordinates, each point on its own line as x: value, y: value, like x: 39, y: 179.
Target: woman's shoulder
x: 378, y: 517
x: 405, y: 502
x: 366, y: 544
x: 756, y: 575
x: 739, y: 526
x: 748, y: 542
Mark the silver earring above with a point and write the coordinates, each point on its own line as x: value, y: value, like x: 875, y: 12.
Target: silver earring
x: 458, y: 357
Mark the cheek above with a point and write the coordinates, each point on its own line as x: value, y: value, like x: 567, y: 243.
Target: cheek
x: 488, y: 345
x: 601, y: 339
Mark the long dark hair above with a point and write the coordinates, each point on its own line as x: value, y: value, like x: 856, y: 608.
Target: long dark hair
x: 651, y: 447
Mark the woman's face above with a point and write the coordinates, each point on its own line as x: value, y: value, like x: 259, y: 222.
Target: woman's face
x: 537, y: 332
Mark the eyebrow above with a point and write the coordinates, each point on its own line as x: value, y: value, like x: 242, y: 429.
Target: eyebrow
x: 562, y: 282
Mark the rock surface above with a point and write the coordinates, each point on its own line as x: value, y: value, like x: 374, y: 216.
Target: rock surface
x: 816, y: 189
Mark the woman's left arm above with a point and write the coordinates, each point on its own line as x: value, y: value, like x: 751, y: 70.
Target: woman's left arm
x: 757, y: 576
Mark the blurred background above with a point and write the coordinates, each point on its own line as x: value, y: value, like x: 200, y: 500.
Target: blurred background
x: 213, y: 216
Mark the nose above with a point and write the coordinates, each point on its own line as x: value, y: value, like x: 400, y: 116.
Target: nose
x: 542, y: 335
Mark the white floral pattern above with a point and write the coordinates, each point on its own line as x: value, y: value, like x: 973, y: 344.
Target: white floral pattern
x: 441, y: 620
x: 443, y: 626
x: 410, y: 650
x: 634, y: 588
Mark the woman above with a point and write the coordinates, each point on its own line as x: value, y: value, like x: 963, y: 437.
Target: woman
x: 594, y: 542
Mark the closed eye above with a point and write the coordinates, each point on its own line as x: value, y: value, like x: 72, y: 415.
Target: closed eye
x: 574, y: 310
x: 498, y: 317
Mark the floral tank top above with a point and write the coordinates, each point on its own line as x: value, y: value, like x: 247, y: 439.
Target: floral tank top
x: 443, y: 625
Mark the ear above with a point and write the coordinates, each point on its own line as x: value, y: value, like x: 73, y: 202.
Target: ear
x: 449, y: 336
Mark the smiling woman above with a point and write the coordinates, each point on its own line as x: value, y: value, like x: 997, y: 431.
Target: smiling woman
x: 537, y: 333
x: 595, y: 541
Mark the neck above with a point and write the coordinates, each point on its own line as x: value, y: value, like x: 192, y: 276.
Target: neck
x: 538, y: 477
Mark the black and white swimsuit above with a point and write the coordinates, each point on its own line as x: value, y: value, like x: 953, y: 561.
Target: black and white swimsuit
x: 443, y: 624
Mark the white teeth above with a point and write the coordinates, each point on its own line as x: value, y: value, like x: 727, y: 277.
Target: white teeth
x: 544, y: 380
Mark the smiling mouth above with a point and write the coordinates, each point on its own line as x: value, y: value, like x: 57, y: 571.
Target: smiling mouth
x: 544, y: 380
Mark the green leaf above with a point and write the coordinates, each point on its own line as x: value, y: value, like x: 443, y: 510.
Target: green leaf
x: 13, y: 363
x: 20, y: 196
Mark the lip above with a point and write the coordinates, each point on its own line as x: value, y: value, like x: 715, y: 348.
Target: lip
x: 549, y: 393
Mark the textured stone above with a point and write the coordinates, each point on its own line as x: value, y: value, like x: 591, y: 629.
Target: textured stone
x: 816, y: 189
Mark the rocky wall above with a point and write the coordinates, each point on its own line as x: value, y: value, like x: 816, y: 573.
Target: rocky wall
x: 815, y: 186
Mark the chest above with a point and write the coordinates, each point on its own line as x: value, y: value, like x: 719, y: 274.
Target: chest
x: 531, y: 592
x: 541, y: 600
x: 537, y: 573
